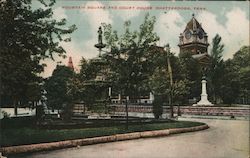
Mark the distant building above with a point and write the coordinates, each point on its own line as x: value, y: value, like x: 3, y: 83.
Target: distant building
x: 194, y: 40
x: 70, y: 63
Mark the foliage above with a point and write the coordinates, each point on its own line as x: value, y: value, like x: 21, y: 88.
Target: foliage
x: 83, y: 69
x: 85, y: 88
x: 217, y: 50
x: 235, y: 77
x: 181, y: 91
x: 159, y: 82
x: 237, y: 70
x: 28, y: 36
x: 215, y: 73
x: 190, y: 73
x: 39, y: 113
x: 157, y: 106
x: 230, y: 87
x: 56, y: 87
x: 241, y: 61
x: 129, y: 55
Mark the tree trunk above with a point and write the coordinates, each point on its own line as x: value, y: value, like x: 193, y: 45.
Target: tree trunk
x: 15, y: 107
x: 179, y: 110
x: 83, y: 108
x: 170, y: 102
x: 171, y: 87
x: 126, y: 113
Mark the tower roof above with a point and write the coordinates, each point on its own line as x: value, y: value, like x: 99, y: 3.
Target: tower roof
x: 193, y: 39
x: 193, y: 25
x: 70, y: 63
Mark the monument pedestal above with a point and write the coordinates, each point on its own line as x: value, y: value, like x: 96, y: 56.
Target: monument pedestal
x: 204, y: 101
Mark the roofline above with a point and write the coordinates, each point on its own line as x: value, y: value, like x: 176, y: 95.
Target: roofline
x: 191, y: 43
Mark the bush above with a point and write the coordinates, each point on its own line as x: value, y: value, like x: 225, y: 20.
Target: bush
x: 157, y: 107
x: 67, y: 112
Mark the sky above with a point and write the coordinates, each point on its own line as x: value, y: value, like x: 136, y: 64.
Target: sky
x: 229, y: 19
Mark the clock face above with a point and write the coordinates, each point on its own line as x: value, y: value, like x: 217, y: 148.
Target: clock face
x: 200, y: 34
x: 188, y: 35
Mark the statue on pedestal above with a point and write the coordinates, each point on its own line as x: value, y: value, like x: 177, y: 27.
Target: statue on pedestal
x: 204, y: 101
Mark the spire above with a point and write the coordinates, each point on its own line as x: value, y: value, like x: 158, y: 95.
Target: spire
x: 193, y: 24
x: 70, y: 63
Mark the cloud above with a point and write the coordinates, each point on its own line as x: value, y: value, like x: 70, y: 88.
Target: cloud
x: 94, y: 17
x: 127, y: 14
x: 50, y: 66
x: 84, y: 48
x: 168, y: 27
x: 234, y: 33
x: 59, y: 13
x: 72, y: 50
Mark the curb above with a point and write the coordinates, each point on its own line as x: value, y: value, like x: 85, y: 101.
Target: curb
x: 215, y: 117
x: 96, y: 140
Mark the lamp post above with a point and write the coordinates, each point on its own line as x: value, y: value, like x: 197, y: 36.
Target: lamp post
x: 127, y: 99
x: 167, y: 48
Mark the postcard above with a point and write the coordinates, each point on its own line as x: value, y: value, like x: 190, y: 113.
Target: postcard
x: 124, y: 79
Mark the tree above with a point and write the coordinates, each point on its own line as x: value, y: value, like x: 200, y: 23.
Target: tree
x: 216, y: 68
x: 160, y: 84
x: 241, y: 62
x: 157, y: 106
x: 28, y: 36
x: 129, y: 54
x: 234, y: 85
x: 230, y: 87
x: 190, y: 73
x: 83, y: 69
x: 56, y: 87
x: 169, y: 80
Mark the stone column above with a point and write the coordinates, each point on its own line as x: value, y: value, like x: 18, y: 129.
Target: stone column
x: 110, y: 92
x: 151, y: 97
x: 120, y: 98
x: 204, y: 101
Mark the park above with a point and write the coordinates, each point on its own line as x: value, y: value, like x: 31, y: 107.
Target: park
x: 136, y: 95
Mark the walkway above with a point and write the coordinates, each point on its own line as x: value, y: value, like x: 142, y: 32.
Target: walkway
x: 224, y: 139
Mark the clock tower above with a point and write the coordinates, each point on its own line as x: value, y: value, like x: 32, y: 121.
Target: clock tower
x: 193, y: 40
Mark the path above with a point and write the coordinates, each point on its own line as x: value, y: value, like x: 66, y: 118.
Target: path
x: 224, y: 139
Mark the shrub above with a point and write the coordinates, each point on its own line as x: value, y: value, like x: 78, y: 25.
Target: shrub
x: 157, y: 107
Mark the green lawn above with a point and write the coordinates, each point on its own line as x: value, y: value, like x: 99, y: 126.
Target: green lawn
x: 20, y: 136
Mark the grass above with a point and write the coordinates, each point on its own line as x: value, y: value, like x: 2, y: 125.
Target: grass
x: 21, y: 136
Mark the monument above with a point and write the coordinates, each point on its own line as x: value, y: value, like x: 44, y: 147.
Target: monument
x: 99, y: 62
x: 193, y: 40
x: 204, y: 101
x: 100, y: 45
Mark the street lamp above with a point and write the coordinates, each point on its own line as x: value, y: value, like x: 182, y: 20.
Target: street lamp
x: 127, y: 99
x: 167, y: 49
